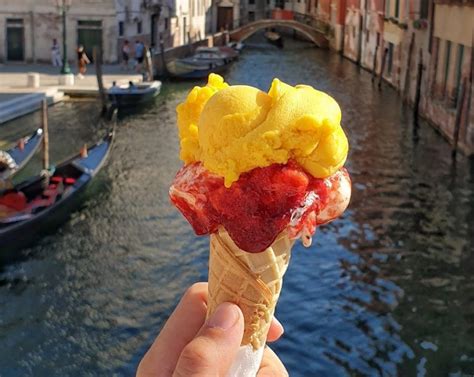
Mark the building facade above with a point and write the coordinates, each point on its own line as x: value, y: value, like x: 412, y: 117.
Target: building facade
x: 448, y: 101
x: 29, y: 27
x: 226, y: 15
x: 393, y: 37
x: 174, y: 22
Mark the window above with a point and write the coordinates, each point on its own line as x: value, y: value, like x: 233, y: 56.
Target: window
x: 397, y: 8
x: 251, y: 16
x: 139, y: 27
x: 120, y: 27
x: 387, y: 8
x: 89, y: 24
x: 251, y: 2
x: 167, y: 23
x: 447, y: 57
x: 457, y: 87
x: 424, y: 8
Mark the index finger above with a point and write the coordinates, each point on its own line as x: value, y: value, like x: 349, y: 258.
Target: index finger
x: 181, y: 327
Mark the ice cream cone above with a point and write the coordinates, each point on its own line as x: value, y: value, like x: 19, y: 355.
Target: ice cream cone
x: 253, y: 281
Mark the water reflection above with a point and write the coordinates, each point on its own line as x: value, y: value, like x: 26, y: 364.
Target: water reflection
x: 387, y: 290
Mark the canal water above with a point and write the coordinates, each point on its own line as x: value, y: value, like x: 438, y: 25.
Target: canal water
x: 388, y: 290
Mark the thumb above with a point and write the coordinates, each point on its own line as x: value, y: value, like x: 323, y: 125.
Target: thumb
x: 213, y: 350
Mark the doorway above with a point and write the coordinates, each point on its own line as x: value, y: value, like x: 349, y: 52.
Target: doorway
x: 89, y: 34
x: 225, y: 18
x: 15, y: 40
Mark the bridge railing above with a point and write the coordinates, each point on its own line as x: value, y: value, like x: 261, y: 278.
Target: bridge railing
x: 317, y: 23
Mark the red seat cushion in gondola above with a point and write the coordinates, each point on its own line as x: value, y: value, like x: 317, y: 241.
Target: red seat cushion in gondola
x: 70, y: 181
x: 56, y: 180
x: 14, y: 200
x: 49, y: 193
x: 39, y: 203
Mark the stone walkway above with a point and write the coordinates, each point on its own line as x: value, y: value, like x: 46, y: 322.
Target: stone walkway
x: 14, y: 85
x: 13, y: 78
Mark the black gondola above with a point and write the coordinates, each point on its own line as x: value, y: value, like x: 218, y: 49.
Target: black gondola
x: 274, y: 38
x: 22, y: 153
x: 41, y: 204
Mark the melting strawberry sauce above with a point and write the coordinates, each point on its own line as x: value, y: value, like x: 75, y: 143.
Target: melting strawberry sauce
x: 256, y: 208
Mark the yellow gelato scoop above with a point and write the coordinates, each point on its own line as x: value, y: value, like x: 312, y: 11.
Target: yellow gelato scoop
x: 234, y: 129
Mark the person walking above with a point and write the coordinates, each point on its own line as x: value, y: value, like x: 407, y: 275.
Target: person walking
x: 82, y: 61
x: 56, y: 54
x: 125, y: 54
x: 139, y: 55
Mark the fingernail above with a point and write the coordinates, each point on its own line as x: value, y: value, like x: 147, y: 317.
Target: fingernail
x: 225, y: 316
x: 278, y: 324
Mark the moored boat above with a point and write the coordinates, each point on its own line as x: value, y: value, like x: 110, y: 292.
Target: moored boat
x: 182, y: 69
x: 224, y: 53
x: 41, y: 203
x: 132, y: 94
x: 274, y: 38
x: 237, y: 46
x: 206, y: 60
x: 15, y: 158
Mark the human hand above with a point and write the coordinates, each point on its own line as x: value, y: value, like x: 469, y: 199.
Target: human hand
x: 188, y: 345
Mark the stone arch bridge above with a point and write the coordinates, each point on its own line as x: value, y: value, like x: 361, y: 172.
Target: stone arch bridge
x: 316, y: 36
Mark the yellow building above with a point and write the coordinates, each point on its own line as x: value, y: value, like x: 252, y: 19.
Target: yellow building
x: 28, y: 27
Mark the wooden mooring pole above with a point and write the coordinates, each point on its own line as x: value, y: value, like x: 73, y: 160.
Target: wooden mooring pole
x: 44, y: 125
x: 164, y: 68
x: 374, y: 66
x: 406, y: 88
x: 419, y: 74
x: 148, y: 64
x: 97, y: 55
x: 457, y: 121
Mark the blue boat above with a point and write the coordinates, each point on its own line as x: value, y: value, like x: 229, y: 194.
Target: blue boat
x: 15, y: 158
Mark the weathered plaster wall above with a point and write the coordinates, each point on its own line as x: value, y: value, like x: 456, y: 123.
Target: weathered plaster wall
x: 42, y: 23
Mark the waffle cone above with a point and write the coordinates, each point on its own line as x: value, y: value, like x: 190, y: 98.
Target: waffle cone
x: 253, y: 281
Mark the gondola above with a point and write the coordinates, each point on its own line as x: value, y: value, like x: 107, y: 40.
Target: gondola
x: 133, y: 95
x: 18, y: 156
x: 274, y: 38
x: 40, y: 204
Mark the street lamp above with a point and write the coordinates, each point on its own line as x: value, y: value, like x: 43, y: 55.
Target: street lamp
x: 63, y: 6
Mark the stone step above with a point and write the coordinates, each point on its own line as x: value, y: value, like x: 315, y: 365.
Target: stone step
x: 27, y: 103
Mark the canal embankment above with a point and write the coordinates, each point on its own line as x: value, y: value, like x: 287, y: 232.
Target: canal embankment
x: 23, y: 86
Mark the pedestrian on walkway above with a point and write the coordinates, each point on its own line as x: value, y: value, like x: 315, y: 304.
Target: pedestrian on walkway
x: 125, y: 54
x: 55, y: 54
x: 139, y: 55
x: 82, y: 61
